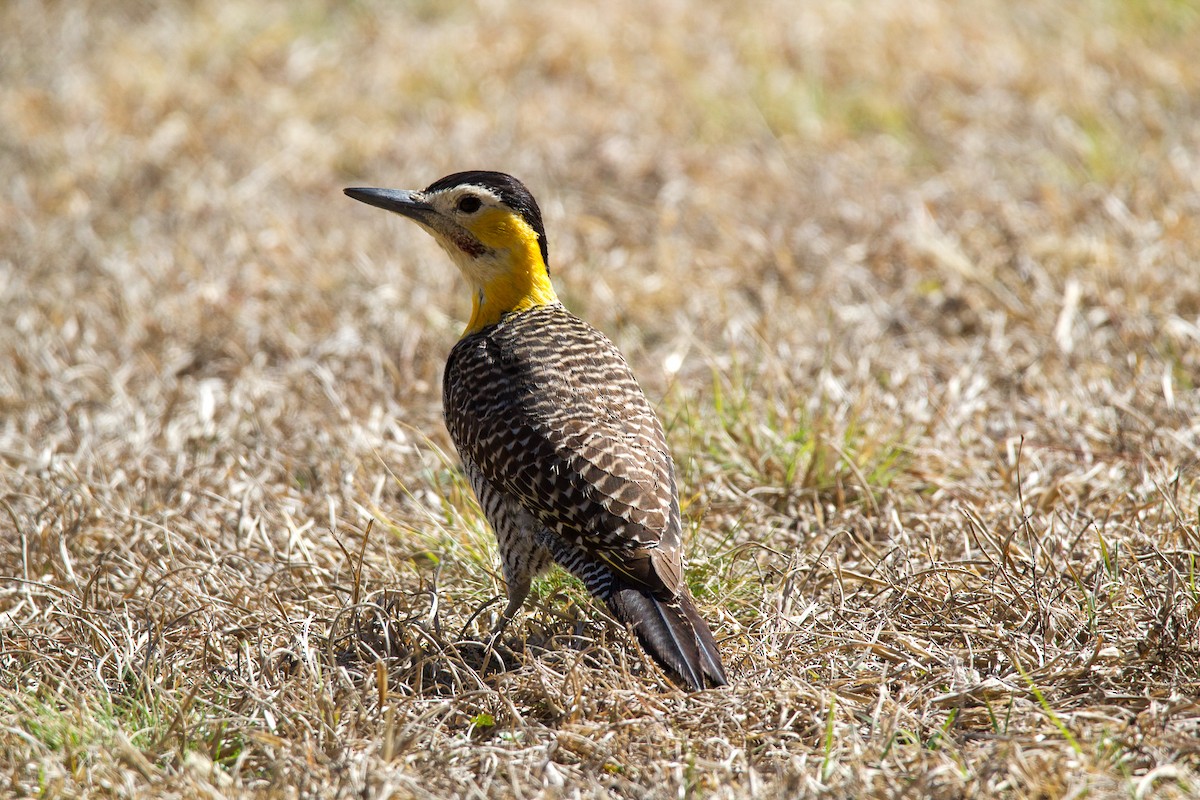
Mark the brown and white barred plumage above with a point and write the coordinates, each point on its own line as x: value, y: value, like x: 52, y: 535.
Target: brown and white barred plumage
x: 570, y: 465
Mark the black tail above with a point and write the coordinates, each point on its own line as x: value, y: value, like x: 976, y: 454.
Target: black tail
x: 673, y: 633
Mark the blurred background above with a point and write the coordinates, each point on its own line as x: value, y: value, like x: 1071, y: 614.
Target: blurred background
x: 707, y: 170
x: 891, y: 271
x: 774, y: 186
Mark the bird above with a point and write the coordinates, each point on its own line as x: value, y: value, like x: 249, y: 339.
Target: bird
x: 567, y: 458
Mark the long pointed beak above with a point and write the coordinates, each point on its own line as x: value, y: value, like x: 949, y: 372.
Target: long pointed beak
x: 401, y: 201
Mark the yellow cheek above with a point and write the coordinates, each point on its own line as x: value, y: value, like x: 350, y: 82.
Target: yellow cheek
x: 499, y: 229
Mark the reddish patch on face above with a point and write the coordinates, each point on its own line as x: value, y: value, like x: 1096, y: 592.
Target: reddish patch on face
x: 469, y: 245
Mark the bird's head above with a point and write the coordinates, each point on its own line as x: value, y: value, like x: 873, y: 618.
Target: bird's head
x: 491, y: 227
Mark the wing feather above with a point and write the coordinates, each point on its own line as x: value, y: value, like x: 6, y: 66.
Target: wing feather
x: 550, y: 413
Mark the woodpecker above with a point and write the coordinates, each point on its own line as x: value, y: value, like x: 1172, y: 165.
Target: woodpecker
x: 565, y: 454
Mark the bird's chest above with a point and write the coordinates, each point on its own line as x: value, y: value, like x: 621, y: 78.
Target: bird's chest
x: 483, y: 385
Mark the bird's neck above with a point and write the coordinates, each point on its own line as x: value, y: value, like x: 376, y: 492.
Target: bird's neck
x: 517, y: 281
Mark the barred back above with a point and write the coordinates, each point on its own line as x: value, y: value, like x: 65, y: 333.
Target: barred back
x: 548, y: 412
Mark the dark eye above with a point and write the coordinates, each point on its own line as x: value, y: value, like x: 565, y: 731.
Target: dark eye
x: 469, y: 204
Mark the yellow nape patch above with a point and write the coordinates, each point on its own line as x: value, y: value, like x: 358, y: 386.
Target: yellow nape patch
x: 514, y: 278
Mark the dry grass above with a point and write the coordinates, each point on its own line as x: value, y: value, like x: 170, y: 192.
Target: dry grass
x: 916, y: 283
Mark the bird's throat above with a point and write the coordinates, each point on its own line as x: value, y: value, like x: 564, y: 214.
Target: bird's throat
x: 523, y: 283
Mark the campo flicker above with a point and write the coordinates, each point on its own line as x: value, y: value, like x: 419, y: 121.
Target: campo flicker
x: 566, y: 455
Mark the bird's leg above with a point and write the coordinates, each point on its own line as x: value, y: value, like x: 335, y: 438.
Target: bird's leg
x: 518, y: 590
x: 523, y: 557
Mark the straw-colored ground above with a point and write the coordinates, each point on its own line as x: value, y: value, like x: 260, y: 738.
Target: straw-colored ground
x: 915, y: 286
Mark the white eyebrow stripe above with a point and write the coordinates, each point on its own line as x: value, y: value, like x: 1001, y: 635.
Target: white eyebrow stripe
x: 478, y: 191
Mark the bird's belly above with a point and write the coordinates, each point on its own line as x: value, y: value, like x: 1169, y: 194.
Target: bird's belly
x: 517, y: 531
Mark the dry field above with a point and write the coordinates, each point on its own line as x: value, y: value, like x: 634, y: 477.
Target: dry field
x: 915, y: 285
